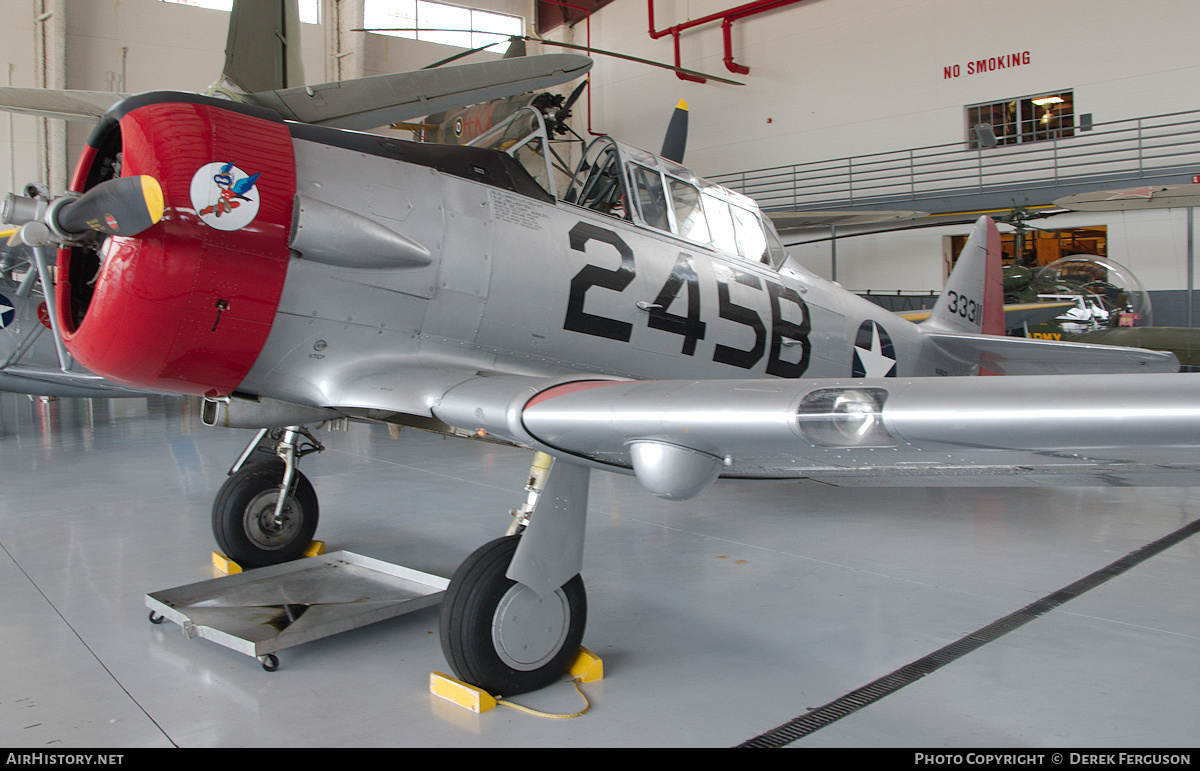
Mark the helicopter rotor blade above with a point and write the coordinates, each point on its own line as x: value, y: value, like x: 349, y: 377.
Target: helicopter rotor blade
x: 586, y: 49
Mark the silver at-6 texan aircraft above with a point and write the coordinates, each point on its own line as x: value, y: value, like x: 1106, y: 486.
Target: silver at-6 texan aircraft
x: 636, y: 319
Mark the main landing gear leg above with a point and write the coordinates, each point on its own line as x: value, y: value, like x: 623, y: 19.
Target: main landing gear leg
x: 266, y: 512
x: 513, y: 616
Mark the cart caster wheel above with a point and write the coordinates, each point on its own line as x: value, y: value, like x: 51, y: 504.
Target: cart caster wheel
x: 270, y: 662
x: 155, y: 618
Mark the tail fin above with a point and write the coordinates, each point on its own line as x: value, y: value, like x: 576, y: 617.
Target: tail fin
x: 262, y: 52
x: 973, y: 300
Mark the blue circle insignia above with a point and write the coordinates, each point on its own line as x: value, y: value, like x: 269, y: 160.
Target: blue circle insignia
x: 8, y: 312
x: 874, y: 354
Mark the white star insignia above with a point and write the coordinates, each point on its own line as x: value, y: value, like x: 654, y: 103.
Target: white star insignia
x: 874, y: 362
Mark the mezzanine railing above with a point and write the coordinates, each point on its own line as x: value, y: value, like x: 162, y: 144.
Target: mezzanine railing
x: 1124, y: 150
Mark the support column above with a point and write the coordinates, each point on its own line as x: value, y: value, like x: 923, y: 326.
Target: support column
x: 50, y: 71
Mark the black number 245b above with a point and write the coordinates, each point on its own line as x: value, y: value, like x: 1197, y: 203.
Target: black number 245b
x: 690, y: 326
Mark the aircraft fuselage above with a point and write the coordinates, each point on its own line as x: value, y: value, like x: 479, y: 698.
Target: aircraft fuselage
x: 524, y: 284
x: 401, y: 267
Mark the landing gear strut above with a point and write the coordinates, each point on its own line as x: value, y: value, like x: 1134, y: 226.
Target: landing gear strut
x: 266, y: 513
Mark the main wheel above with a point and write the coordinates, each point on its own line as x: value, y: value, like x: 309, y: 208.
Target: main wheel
x: 500, y: 635
x: 244, y: 522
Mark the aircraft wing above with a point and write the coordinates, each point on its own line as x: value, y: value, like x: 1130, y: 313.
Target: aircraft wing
x: 366, y: 103
x: 359, y: 104
x: 678, y: 436
x: 1184, y: 342
x: 48, y: 382
x: 60, y: 103
x: 1019, y: 356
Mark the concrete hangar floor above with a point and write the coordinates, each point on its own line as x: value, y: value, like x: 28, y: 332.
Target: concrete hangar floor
x: 720, y: 621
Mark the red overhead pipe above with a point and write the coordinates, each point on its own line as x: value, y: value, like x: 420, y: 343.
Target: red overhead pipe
x: 727, y: 18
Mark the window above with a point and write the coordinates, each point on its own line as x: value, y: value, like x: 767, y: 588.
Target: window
x: 684, y: 202
x: 1026, y: 119
x: 751, y: 237
x: 721, y: 224
x: 450, y: 25
x: 597, y: 183
x: 310, y: 10
x: 651, y: 200
x: 1036, y: 249
x: 521, y: 136
x: 689, y: 216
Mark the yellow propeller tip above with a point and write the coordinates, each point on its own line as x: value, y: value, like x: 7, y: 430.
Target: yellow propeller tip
x: 153, y: 194
x: 682, y: 105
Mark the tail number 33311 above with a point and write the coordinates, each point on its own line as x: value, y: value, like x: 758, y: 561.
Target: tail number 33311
x: 788, y: 344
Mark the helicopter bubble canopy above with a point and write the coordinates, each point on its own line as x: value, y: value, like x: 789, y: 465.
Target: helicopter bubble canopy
x: 1113, y: 294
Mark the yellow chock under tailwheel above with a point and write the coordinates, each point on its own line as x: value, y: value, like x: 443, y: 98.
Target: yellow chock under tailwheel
x: 229, y: 567
x: 587, y: 667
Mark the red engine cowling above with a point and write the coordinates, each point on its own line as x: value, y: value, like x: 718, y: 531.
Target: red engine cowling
x: 186, y: 305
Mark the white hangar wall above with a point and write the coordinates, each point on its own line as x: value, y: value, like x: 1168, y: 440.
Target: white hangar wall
x: 18, y: 133
x: 833, y: 78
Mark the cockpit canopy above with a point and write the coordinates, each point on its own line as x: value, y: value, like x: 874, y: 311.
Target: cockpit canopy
x: 622, y: 181
x: 524, y: 137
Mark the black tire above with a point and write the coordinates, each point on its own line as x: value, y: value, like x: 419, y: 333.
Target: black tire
x: 485, y: 625
x: 242, y: 508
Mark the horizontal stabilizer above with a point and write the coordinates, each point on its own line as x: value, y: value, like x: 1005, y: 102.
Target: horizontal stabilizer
x: 1020, y: 356
x: 1015, y: 316
x: 58, y: 103
x: 366, y: 103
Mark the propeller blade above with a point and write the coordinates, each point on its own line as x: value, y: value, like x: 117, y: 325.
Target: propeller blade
x: 564, y: 111
x: 675, y: 142
x: 574, y: 95
x: 118, y: 207
x: 507, y: 54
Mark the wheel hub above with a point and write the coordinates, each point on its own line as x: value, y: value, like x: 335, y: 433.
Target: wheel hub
x: 264, y: 528
x: 528, y: 630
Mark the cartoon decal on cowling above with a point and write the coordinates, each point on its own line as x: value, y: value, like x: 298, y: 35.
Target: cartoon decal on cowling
x: 224, y: 196
x: 874, y: 354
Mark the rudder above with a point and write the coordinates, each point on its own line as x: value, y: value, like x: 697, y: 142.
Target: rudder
x: 973, y: 299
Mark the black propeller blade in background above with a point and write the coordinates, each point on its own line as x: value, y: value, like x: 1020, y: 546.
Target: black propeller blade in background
x: 572, y: 46
x: 563, y: 112
x: 675, y: 142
